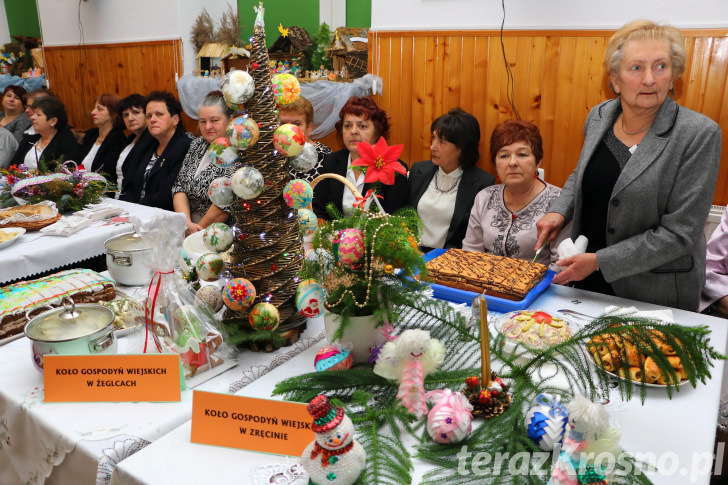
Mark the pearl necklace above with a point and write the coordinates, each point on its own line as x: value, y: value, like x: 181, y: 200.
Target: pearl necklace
x: 451, y: 188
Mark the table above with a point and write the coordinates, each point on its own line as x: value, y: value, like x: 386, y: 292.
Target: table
x: 37, y: 253
x: 688, y: 439
x: 81, y: 443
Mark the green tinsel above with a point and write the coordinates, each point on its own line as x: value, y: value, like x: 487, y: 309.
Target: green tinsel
x: 371, y: 400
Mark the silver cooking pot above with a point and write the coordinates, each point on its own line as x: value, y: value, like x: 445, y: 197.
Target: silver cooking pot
x: 129, y: 259
x: 83, y: 329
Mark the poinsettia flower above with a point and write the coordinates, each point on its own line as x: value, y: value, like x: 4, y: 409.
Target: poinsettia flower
x: 380, y: 161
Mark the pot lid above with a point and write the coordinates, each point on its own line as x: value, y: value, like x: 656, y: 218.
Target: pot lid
x: 128, y: 242
x: 69, y: 322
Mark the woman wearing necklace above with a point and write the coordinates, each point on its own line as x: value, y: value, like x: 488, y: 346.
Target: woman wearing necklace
x: 644, y: 183
x: 443, y: 189
x: 53, y: 140
x: 13, y: 118
x: 102, y: 144
x: 503, y: 218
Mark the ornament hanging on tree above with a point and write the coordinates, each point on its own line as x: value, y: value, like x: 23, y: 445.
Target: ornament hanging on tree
x: 450, y: 419
x: 264, y: 316
x: 334, y: 456
x: 217, y: 237
x: 349, y: 249
x: 209, y: 266
x: 546, y: 421
x: 306, y: 159
x: 243, y: 132
x: 289, y: 140
x: 286, y: 88
x: 247, y: 183
x: 238, y: 294
x: 310, y: 298
x: 237, y: 87
x: 308, y: 221
x: 210, y: 296
x: 298, y: 194
x: 221, y: 192
x: 222, y: 153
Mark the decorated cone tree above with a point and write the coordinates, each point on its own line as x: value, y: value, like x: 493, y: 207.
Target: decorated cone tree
x: 267, y: 249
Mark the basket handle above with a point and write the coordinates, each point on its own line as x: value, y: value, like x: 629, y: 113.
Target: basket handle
x: 347, y: 183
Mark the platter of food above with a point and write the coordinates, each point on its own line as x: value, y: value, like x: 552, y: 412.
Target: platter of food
x: 533, y: 329
x: 10, y: 235
x: 451, y: 281
x: 608, y: 351
x: 128, y: 315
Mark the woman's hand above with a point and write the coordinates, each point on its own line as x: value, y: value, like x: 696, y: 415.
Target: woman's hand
x: 548, y: 227
x: 577, y: 268
x: 192, y: 227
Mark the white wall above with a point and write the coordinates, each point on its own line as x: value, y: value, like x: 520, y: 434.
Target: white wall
x: 544, y: 14
x: 4, y: 29
x: 111, y: 21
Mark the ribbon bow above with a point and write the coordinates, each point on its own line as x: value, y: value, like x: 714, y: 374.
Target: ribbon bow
x: 554, y: 402
x: 361, y: 200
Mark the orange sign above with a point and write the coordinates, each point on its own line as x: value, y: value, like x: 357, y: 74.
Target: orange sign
x: 115, y: 378
x: 264, y: 425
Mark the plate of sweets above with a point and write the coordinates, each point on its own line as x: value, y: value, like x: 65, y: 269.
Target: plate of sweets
x: 10, y: 235
x: 621, y: 357
x: 534, y: 329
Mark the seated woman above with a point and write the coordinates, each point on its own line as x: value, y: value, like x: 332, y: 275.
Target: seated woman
x: 53, y: 140
x: 102, y: 144
x: 198, y: 171
x: 360, y: 120
x: 300, y: 113
x: 714, y: 298
x: 443, y: 189
x: 154, y: 168
x: 132, y: 112
x: 13, y: 118
x: 503, y: 218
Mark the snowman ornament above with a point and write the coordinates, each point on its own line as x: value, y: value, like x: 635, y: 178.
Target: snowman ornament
x: 334, y: 457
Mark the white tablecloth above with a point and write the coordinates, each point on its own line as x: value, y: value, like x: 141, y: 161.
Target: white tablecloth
x: 678, y: 431
x: 77, y: 443
x: 36, y: 252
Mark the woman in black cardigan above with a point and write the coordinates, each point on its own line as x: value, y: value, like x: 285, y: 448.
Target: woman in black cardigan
x: 102, y: 144
x: 53, y: 140
x: 360, y: 120
x: 156, y: 164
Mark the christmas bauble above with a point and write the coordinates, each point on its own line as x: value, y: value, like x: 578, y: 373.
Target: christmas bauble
x: 211, y: 296
x: 289, y: 140
x: 332, y: 358
x: 209, y: 266
x: 350, y: 248
x: 324, y: 258
x: 237, y: 87
x: 298, y: 194
x: 221, y: 192
x: 308, y: 221
x: 243, y: 132
x: 186, y: 266
x: 218, y: 237
x: 546, y: 421
x: 264, y: 316
x: 247, y: 183
x: 450, y: 420
x: 222, y: 153
x: 309, y: 298
x: 286, y: 88
x: 306, y: 159
x: 238, y: 294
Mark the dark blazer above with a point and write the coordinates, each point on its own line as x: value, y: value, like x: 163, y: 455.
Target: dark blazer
x: 328, y: 191
x: 63, y: 144
x: 158, y: 191
x: 105, y: 160
x: 141, y: 146
x: 655, y: 242
x: 473, y: 181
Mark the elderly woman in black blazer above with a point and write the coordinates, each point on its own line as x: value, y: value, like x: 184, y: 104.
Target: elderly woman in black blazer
x: 102, y: 144
x: 443, y: 189
x: 360, y: 120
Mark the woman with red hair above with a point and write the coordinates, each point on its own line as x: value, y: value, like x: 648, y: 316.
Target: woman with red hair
x: 360, y: 120
x: 503, y: 217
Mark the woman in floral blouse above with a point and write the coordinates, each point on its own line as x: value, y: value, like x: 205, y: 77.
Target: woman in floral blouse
x: 198, y: 171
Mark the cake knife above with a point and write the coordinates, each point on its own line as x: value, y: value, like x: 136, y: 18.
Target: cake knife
x: 538, y: 251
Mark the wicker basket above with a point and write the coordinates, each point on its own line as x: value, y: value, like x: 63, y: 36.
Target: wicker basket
x: 32, y: 225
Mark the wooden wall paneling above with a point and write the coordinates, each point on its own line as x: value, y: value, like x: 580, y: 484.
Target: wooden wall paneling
x: 403, y: 99
x: 714, y: 105
x: 454, y: 73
